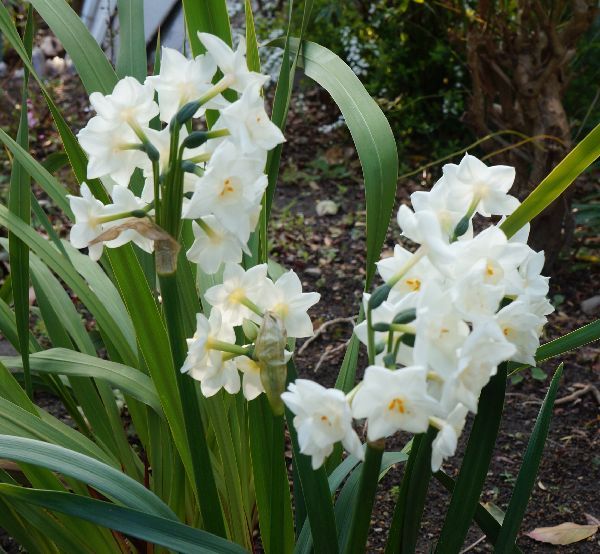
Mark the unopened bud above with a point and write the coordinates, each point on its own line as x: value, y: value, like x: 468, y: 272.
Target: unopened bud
x: 381, y: 327
x: 405, y: 316
x: 195, y: 139
x: 250, y: 329
x: 379, y: 296
x: 185, y: 113
x: 269, y: 350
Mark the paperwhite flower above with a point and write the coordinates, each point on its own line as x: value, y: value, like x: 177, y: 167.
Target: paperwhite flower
x: 445, y: 442
x: 125, y: 201
x: 225, y: 377
x: 437, y: 201
x: 322, y: 418
x: 440, y: 331
x: 108, y: 152
x: 248, y: 122
x: 520, y: 327
x: 232, y: 63
x: 203, y: 362
x: 424, y: 228
x: 472, y: 180
x: 238, y: 285
x: 182, y: 80
x: 251, y: 384
x: 211, y: 249
x: 88, y: 210
x: 230, y: 189
x: 479, y: 357
x: 130, y: 103
x: 285, y: 297
x: 393, y: 400
x: 415, y: 278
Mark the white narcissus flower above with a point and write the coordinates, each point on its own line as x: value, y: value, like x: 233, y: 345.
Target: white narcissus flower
x: 479, y: 357
x: 251, y: 384
x: 424, y: 228
x: 393, y: 400
x: 182, y: 80
x: 238, y: 286
x: 473, y: 181
x: 213, y: 245
x: 440, y: 331
x: 285, y: 298
x: 88, y: 210
x: 415, y: 278
x: 232, y: 63
x: 108, y: 150
x: 231, y: 189
x: 322, y: 418
x: 248, y: 122
x: 437, y: 201
x: 125, y: 201
x: 206, y: 364
x: 520, y: 325
x: 445, y: 442
x: 130, y: 103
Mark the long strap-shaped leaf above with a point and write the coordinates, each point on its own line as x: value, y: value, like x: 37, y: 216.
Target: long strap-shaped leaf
x: 131, y: 59
x: 473, y: 470
x: 104, y: 478
x: 208, y: 17
x: 527, y: 473
x: 19, y: 203
x: 165, y: 532
x: 370, y: 131
x: 559, y: 179
x: 60, y: 361
x: 93, y: 67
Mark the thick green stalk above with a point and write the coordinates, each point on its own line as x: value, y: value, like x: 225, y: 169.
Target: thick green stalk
x: 206, y: 488
x: 411, y: 500
x: 473, y: 471
x: 365, y: 499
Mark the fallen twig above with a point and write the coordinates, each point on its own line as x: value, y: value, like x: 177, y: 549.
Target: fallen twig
x: 582, y: 390
x: 322, y: 329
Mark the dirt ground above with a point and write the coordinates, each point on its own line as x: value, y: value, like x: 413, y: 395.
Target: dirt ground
x: 328, y: 252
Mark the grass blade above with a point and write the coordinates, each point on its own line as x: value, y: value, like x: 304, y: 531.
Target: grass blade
x: 165, y: 532
x: 473, y: 470
x: 131, y: 59
x: 557, y: 181
x: 104, y: 478
x: 19, y: 203
x: 527, y: 473
x: 207, y: 17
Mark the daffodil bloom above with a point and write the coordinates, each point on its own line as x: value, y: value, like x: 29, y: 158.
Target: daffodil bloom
x: 285, y: 298
x: 393, y: 400
x: 449, y: 430
x: 182, y: 80
x: 236, y: 297
x: 322, y: 418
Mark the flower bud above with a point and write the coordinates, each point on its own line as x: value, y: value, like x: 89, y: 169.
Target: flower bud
x: 405, y: 316
x: 185, y: 113
x: 250, y: 329
x: 195, y: 139
x: 408, y: 339
x: 269, y: 350
x: 379, y: 296
x: 381, y: 327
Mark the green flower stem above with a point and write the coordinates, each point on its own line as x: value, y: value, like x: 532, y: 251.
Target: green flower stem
x: 205, y: 486
x: 156, y: 183
x: 370, y: 337
x: 410, y: 263
x: 411, y: 500
x: 227, y: 347
x: 200, y: 158
x: 361, y: 518
x: 221, y: 86
x: 251, y: 306
x: 401, y: 328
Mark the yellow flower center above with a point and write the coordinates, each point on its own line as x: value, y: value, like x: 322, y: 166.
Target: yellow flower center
x: 227, y: 187
x: 414, y: 284
x: 397, y: 405
x: 237, y: 295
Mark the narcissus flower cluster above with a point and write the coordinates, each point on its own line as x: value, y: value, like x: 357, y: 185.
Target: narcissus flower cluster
x: 447, y: 315
x: 139, y: 127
